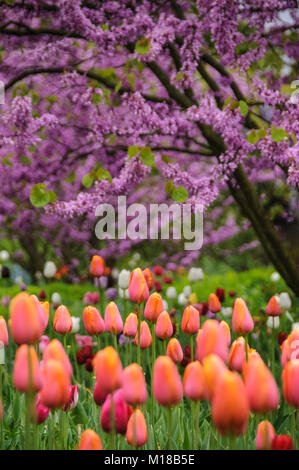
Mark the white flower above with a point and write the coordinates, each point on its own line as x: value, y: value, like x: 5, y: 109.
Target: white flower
x: 115, y: 273
x: 285, y: 301
x: 56, y: 299
x: 136, y: 256
x: 270, y: 322
x: 165, y: 305
x: 124, y: 279
x: 49, y: 269
x: 195, y: 274
x: 123, y: 293
x: 38, y: 275
x: 182, y: 299
x: 4, y: 256
x: 187, y: 291
x: 227, y: 311
x: 295, y: 326
x: 76, y: 324
x: 171, y: 293
x: 289, y: 316
x: 275, y: 277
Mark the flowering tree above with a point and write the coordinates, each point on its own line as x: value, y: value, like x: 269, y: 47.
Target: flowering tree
x: 191, y: 96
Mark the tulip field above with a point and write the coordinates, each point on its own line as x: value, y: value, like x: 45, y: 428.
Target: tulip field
x: 211, y: 371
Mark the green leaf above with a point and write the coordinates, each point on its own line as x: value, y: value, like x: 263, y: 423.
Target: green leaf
x: 133, y: 150
x: 87, y: 181
x: 167, y: 159
x: 278, y: 134
x: 227, y: 101
x: 244, y: 47
x: 180, y: 194
x: 147, y: 156
x: 243, y: 108
x: 143, y: 46
x: 118, y: 86
x: 169, y: 187
x: 52, y: 196
x: 96, y: 98
x: 103, y: 174
x: 39, y: 197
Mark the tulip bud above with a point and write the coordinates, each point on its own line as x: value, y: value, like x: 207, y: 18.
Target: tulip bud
x: 25, y: 319
x: 131, y: 324
x: 43, y: 309
x: 194, y: 382
x: 214, y: 303
x: 213, y: 368
x: 242, y: 320
x: 3, y: 332
x: 62, y: 321
x: 153, y: 308
x: 237, y: 354
x: 212, y: 340
x: 120, y: 413
x: 138, y: 288
x: 113, y: 320
x: 137, y: 429
x: 55, y: 350
x: 282, y: 442
x: 174, y: 350
x: 124, y: 279
x: 290, y: 380
x: 149, y: 278
x: 97, y: 266
x: 264, y: 436
x: 230, y: 409
x: 226, y: 329
x: 99, y: 394
x: 133, y: 385
x: 90, y: 441
x: 273, y: 308
x: 145, y: 336
x: 41, y: 412
x: 108, y: 369
x: 73, y: 398
x: 164, y: 328
x: 190, y: 320
x: 93, y: 322
x: 56, y: 385
x: 167, y: 385
x: 21, y: 372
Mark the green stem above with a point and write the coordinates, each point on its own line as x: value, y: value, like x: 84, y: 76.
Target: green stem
x: 169, y: 425
x: 50, y: 433
x: 138, y: 342
x: 232, y: 442
x: 273, y: 348
x: 196, y: 424
x: 246, y: 347
x: 192, y: 348
x: 115, y: 342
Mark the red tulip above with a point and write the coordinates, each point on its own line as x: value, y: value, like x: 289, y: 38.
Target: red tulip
x: 73, y: 398
x: 273, y: 309
x: 3, y: 332
x: 41, y: 412
x: 99, y: 394
x: 282, y: 442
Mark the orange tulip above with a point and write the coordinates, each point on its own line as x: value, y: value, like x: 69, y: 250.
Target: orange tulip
x: 226, y: 329
x: 108, y: 369
x: 213, y: 367
x: 145, y: 336
x: 290, y: 380
x: 190, y: 320
x: 43, y: 310
x: 25, y: 320
x: 194, y: 382
x: 264, y: 436
x: 164, y: 328
x: 174, y: 350
x: 242, y: 320
x: 55, y: 350
x: 90, y: 441
x: 167, y: 385
x: 113, y: 320
x: 230, y: 408
x: 136, y: 430
x: 56, y: 388
x: 97, y: 266
x: 154, y: 306
x: 261, y: 388
x: 273, y: 309
x: 131, y: 323
x: 62, y: 321
x: 3, y: 332
x: 21, y: 374
x: 212, y: 340
x: 237, y: 355
x: 138, y: 288
x: 149, y: 278
x: 214, y: 303
x: 93, y: 322
x: 133, y: 385
x: 290, y: 347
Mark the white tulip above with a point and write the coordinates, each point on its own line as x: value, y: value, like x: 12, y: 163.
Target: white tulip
x: 76, y: 324
x: 123, y: 293
x: 275, y: 277
x: 276, y: 322
x: 124, y: 279
x: 115, y: 273
x: 227, y: 311
x: 4, y: 256
x: 187, y: 291
x: 295, y: 326
x: 171, y: 293
x: 195, y: 274
x: 285, y: 301
x: 56, y: 299
x: 49, y: 269
x: 182, y: 299
x: 165, y: 305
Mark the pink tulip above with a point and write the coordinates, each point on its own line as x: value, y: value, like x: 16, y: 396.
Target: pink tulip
x: 212, y: 340
x: 21, y: 376
x: 120, y: 413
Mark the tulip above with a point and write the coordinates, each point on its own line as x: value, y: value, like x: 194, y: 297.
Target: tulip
x: 194, y: 382
x: 133, y: 385
x: 73, y: 398
x: 214, y: 303
x: 190, y: 320
x: 41, y: 412
x: 93, y: 322
x: 56, y: 298
x: 195, y: 274
x: 213, y: 368
x: 54, y: 350
x: 282, y: 442
x: 226, y: 329
x: 130, y: 328
x: 138, y: 288
x: 290, y: 380
x: 237, y: 355
x: 164, y: 328
x: 99, y: 394
x: 149, y: 278
x: 27, y: 377
x: 273, y: 308
x: 113, y: 320
x: 25, y: 319
x: 62, y: 321
x: 153, y: 308
x: 230, y: 408
x: 136, y: 430
x: 49, y: 269
x: 290, y: 350
x: 120, y: 411
x: 97, y: 266
x: 212, y: 340
x: 174, y: 350
x: 56, y: 385
x: 261, y: 388
x: 90, y: 441
x: 242, y: 320
x: 264, y: 436
x: 108, y: 369
x: 124, y: 279
x: 3, y: 332
x: 167, y: 384
x: 285, y: 301
x: 43, y: 310
x: 145, y: 336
